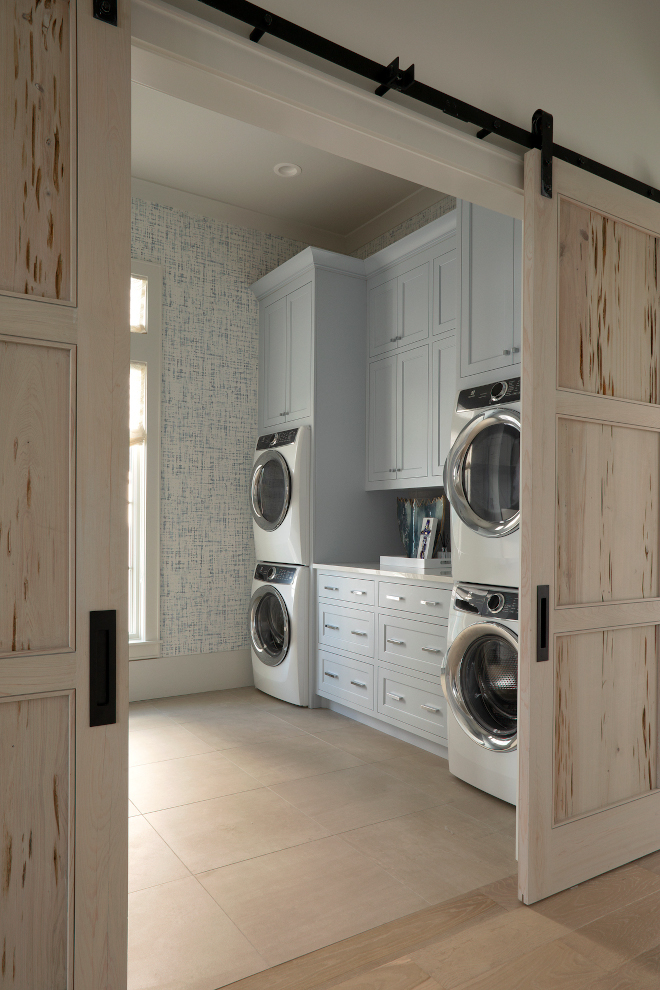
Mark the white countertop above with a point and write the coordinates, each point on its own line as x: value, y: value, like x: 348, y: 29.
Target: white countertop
x: 374, y: 570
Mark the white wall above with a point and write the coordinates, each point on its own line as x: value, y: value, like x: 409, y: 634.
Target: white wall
x: 591, y: 63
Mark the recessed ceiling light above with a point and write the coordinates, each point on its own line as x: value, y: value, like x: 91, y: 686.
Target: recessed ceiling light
x: 287, y: 170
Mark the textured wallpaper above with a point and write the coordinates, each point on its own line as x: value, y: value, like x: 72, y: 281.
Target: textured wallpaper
x: 209, y: 418
x: 444, y: 205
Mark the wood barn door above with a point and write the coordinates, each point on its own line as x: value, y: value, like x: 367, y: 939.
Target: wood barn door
x: 64, y: 358
x: 590, y: 533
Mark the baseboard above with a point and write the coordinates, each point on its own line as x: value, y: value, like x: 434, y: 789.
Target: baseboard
x: 166, y: 677
x: 438, y: 748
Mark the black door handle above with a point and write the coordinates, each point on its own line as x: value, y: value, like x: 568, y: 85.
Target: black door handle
x: 542, y: 632
x: 103, y: 667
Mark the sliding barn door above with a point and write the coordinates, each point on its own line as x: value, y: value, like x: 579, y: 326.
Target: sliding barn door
x: 590, y: 510
x: 64, y: 358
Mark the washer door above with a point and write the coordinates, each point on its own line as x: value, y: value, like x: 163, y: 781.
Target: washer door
x: 270, y: 490
x: 482, y: 473
x: 269, y: 626
x: 480, y: 683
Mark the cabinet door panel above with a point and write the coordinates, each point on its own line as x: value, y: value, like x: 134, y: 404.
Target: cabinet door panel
x: 413, y: 413
x: 517, y: 288
x: 445, y: 273
x: 413, y: 297
x: 274, y: 371
x: 382, y: 419
x: 487, y: 290
x: 444, y: 397
x: 299, y: 364
x: 383, y: 317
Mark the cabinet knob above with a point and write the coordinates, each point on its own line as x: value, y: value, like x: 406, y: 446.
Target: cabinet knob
x: 516, y: 350
x: 393, y: 340
x: 507, y: 351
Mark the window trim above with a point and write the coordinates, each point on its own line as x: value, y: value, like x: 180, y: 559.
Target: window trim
x: 147, y: 347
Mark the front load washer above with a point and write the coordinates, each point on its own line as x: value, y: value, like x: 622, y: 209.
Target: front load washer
x: 482, y: 483
x: 279, y: 496
x: 279, y: 631
x: 480, y: 682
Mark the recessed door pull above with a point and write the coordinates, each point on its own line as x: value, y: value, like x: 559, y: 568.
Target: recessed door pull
x: 430, y: 649
x: 356, y: 632
x: 329, y: 673
x: 395, y: 598
x: 397, y: 697
x: 422, y: 602
x: 326, y: 587
x: 103, y: 667
x: 396, y: 642
x: 359, y: 683
x: 328, y: 626
x: 542, y: 633
x: 429, y: 708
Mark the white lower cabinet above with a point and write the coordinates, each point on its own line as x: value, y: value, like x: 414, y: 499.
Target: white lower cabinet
x: 385, y: 656
x: 347, y: 679
x: 411, y: 700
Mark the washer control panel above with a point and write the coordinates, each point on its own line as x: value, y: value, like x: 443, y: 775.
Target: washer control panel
x: 490, y: 603
x: 269, y: 440
x: 492, y: 394
x: 275, y: 573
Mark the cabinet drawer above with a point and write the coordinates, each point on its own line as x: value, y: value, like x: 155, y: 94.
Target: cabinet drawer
x: 347, y: 589
x: 426, y: 600
x: 346, y: 629
x: 410, y: 643
x: 412, y: 701
x: 346, y: 679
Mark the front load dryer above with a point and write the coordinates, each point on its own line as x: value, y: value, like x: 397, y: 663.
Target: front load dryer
x: 482, y: 483
x: 480, y: 682
x: 279, y: 631
x: 279, y: 496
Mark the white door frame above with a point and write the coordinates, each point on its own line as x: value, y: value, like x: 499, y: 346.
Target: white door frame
x: 193, y: 60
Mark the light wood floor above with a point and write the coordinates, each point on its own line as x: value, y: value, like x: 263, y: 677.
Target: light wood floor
x: 261, y: 832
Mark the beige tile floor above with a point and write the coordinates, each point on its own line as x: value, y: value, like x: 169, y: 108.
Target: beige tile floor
x: 260, y: 832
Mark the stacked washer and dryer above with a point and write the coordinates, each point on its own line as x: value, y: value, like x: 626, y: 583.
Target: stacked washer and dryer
x: 279, y: 606
x: 480, y: 671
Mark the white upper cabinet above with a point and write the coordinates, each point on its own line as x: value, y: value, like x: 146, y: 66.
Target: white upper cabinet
x: 413, y: 305
x: 287, y: 372
x: 383, y: 317
x: 490, y: 290
x: 382, y: 419
x: 413, y: 413
x: 445, y: 296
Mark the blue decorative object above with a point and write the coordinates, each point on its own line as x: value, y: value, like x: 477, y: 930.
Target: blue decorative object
x: 411, y: 512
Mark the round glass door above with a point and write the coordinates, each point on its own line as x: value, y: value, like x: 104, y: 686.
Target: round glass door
x: 480, y: 681
x: 482, y: 473
x: 270, y: 491
x: 269, y: 626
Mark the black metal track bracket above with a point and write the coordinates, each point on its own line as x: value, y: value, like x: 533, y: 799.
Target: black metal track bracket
x: 542, y: 129
x: 262, y: 29
x: 396, y: 78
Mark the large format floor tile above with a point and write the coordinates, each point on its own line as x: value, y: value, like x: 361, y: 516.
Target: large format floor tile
x: 290, y: 757
x: 152, y: 743
x: 228, y: 829
x: 369, y: 745
x: 438, y: 852
x: 150, y: 860
x: 239, y: 727
x: 182, y: 707
x: 180, y: 939
x: 301, y: 899
x: 349, y: 799
x: 172, y: 783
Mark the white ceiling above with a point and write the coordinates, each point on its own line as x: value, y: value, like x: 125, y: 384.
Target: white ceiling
x: 189, y: 148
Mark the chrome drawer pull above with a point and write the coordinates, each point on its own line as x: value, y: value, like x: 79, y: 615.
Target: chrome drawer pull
x: 397, y: 697
x: 356, y: 632
x: 430, y: 649
x: 358, y: 592
x: 397, y: 642
x: 395, y: 598
x: 328, y: 626
x: 436, y: 711
x: 359, y: 683
x: 330, y: 674
x: 328, y: 588
x: 422, y: 602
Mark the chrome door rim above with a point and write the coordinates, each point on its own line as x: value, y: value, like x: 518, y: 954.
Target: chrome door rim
x: 450, y: 678
x: 257, y: 471
x: 255, y: 640
x: 453, y: 473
